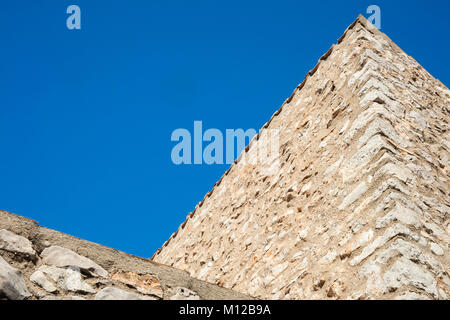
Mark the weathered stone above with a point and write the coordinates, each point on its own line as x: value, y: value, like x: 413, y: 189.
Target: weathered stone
x: 396, y: 230
x: 111, y: 293
x: 402, y: 248
x: 377, y: 193
x: 318, y: 284
x: 374, y: 83
x: 400, y: 172
x: 437, y: 232
x: 336, y: 289
x: 422, y: 172
x: 436, y: 249
x: 306, y: 188
x: 146, y: 284
x: 102, y: 282
x: 49, y: 297
x: 357, y: 242
x: 365, y: 117
x: 400, y: 214
x: 418, y: 120
x: 62, y: 257
x: 69, y: 278
x: 404, y: 272
x: 73, y: 282
x: 303, y: 233
x: 184, y: 294
x: 12, y: 284
x: 412, y: 296
x: 363, y: 156
x: 369, y: 69
x: 371, y: 273
x: 334, y: 166
x: 40, y: 279
x: 12, y: 242
x: 328, y: 258
x: 353, y: 196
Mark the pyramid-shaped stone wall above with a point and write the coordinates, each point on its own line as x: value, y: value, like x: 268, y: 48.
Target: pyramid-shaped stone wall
x: 359, y: 204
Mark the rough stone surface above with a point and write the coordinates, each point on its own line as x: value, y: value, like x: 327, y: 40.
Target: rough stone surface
x: 405, y: 272
x: 68, y: 268
x: 68, y: 279
x: 358, y: 207
x: 12, y: 284
x: 436, y: 249
x: 110, y: 293
x: 10, y: 241
x: 184, y: 294
x: 39, y: 278
x: 147, y: 283
x: 62, y: 257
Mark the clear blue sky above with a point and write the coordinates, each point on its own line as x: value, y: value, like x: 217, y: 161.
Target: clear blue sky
x: 86, y: 116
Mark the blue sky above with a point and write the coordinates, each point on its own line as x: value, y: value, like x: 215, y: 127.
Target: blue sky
x: 87, y: 115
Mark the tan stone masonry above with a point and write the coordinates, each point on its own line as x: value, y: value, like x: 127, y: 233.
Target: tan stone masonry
x: 37, y: 263
x: 360, y: 205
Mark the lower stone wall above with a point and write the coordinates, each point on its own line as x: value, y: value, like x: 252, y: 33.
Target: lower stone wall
x: 37, y: 263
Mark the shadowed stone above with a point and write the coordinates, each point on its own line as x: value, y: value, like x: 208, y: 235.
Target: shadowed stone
x: 111, y: 293
x: 39, y: 278
x: 184, y: 294
x: 12, y: 242
x: 69, y: 279
x: 12, y: 284
x: 146, y: 284
x: 62, y: 257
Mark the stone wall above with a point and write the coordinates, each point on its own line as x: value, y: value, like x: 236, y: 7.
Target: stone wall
x: 359, y: 208
x: 39, y: 263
